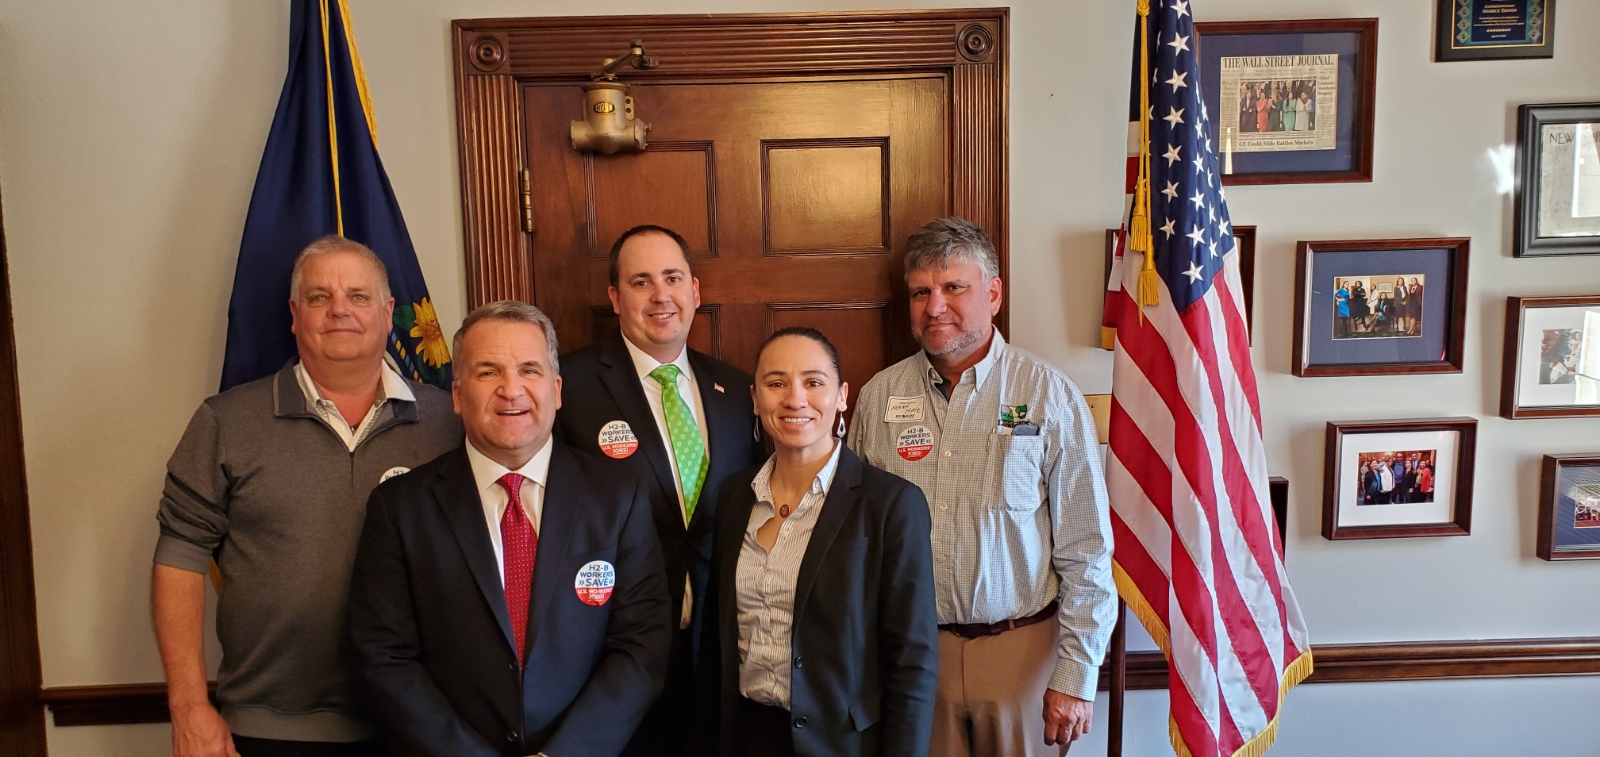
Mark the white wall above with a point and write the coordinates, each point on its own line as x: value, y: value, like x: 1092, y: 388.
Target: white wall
x: 129, y: 138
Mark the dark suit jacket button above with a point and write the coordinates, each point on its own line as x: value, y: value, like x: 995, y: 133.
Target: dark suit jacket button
x: 799, y: 661
x: 512, y: 737
x: 512, y: 667
x: 800, y: 722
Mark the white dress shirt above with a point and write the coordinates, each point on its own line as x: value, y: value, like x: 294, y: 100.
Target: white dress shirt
x: 690, y: 392
x: 486, y: 474
x: 765, y: 585
x: 390, y: 387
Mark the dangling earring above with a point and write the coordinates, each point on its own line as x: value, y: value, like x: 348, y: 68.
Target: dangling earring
x: 756, y: 434
x: 840, y: 431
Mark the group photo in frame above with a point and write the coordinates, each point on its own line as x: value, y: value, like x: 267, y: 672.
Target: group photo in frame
x: 1569, y: 507
x: 1377, y: 307
x: 1557, y: 195
x: 1291, y: 102
x: 1494, y: 29
x: 1551, y: 364
x: 1393, y: 479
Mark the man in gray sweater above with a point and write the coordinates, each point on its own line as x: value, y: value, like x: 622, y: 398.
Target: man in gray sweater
x: 271, y: 480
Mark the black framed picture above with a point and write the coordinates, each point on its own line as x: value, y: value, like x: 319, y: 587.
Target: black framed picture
x: 1558, y: 180
x: 1291, y: 102
x: 1494, y: 29
x: 1569, y: 507
x: 1376, y: 307
x: 1392, y: 479
x: 1551, y: 365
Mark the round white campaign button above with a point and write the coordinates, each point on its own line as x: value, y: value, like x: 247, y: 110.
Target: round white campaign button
x: 617, y: 440
x: 595, y: 581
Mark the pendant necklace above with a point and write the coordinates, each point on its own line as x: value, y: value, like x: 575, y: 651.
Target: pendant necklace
x: 783, y: 512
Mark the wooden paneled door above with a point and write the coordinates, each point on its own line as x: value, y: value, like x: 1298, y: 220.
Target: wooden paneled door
x: 794, y: 153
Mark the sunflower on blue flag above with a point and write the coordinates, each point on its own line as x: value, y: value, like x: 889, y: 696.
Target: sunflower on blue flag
x: 320, y: 174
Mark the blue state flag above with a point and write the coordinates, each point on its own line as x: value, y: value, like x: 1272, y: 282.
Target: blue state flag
x: 320, y: 174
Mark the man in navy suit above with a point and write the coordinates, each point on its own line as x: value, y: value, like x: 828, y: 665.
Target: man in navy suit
x: 508, y: 597
x: 678, y: 419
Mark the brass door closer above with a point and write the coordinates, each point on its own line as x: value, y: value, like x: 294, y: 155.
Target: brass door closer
x: 608, y: 126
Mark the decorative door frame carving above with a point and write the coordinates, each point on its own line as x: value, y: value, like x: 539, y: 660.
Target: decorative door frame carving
x: 495, y: 58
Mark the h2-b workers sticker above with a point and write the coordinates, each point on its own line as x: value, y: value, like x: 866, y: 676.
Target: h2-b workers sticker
x: 392, y: 472
x: 595, y: 581
x: 902, y: 409
x: 914, y: 443
x: 617, y: 440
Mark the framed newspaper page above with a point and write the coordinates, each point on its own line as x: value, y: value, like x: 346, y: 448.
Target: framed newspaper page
x: 1290, y: 102
x: 1552, y: 358
x: 1558, y: 180
x: 1569, y: 507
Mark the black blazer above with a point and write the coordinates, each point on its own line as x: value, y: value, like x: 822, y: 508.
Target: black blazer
x: 865, y: 636
x: 431, y: 639
x: 599, y: 385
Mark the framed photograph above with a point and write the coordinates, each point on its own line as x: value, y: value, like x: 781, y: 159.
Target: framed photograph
x: 1552, y: 357
x: 1494, y: 29
x: 1569, y: 507
x: 1558, y: 180
x: 1379, y: 307
x: 1392, y: 479
x: 1290, y: 102
x: 1245, y: 236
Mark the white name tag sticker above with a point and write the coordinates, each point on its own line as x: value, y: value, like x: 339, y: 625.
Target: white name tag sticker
x: 901, y: 409
x: 392, y: 472
x: 594, y: 582
x: 617, y: 440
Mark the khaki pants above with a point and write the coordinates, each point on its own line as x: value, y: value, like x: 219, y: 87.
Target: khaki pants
x: 990, y: 701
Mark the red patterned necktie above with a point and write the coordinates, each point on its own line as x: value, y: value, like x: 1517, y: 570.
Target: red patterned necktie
x: 520, y: 543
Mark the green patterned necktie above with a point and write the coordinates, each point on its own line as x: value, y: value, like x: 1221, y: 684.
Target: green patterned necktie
x: 687, y: 447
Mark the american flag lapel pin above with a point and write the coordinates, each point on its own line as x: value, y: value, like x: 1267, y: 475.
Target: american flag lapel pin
x: 719, y: 388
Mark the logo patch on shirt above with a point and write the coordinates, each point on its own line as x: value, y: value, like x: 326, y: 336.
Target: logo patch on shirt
x: 594, y: 583
x: 392, y: 472
x: 901, y: 409
x: 617, y: 440
x: 914, y: 443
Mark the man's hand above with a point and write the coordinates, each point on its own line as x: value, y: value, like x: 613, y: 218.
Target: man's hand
x: 1065, y: 717
x: 199, y: 731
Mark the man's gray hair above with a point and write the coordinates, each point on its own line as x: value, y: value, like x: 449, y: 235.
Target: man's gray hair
x: 947, y: 241
x: 334, y: 243
x: 511, y: 311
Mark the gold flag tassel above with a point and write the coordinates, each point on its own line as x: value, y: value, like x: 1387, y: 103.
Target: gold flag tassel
x: 1140, y: 237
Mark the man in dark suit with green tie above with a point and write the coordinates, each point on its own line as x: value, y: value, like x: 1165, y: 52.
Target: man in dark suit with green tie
x: 680, y: 420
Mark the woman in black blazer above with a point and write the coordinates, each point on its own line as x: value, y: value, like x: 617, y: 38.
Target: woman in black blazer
x: 825, y: 640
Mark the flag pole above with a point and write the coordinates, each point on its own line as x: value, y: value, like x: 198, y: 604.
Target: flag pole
x: 1119, y: 682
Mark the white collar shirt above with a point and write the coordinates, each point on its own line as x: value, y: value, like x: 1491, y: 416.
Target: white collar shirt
x: 486, y: 475
x: 390, y: 387
x: 643, y: 364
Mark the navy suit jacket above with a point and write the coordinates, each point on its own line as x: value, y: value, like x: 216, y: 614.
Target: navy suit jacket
x: 431, y: 638
x: 599, y: 385
x: 865, y: 638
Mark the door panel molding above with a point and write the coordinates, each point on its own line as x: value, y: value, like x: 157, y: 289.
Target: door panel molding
x: 496, y: 58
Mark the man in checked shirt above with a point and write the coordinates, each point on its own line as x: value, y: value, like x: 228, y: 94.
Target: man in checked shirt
x: 1005, y: 449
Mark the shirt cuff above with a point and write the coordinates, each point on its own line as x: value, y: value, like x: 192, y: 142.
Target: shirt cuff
x: 1075, y: 679
x: 174, y: 552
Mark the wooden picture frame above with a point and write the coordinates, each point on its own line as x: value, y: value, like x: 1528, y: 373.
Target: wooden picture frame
x: 1459, y: 33
x: 1542, y: 132
x: 1320, y: 336
x: 1246, y: 239
x: 1355, y: 75
x: 1527, y: 387
x: 1563, y: 519
x: 1441, y: 505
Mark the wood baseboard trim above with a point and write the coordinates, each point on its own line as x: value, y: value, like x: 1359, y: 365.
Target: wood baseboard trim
x: 122, y: 704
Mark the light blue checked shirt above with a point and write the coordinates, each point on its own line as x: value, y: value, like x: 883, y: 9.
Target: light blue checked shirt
x: 1017, y: 520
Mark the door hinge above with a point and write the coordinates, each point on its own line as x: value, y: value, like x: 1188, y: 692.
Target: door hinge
x: 526, y: 180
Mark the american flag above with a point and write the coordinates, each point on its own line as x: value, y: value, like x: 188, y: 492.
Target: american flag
x: 1197, y: 558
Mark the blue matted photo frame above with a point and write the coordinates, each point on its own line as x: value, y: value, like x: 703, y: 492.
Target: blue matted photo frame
x: 1569, y: 507
x: 1380, y: 307
x: 1355, y: 43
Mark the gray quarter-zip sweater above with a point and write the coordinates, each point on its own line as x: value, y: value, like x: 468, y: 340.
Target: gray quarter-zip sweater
x: 269, y: 490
